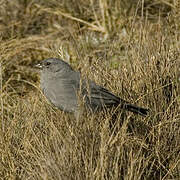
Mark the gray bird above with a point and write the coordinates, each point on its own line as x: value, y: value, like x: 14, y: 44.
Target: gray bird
x: 63, y: 87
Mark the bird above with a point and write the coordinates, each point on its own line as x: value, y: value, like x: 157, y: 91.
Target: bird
x: 63, y: 87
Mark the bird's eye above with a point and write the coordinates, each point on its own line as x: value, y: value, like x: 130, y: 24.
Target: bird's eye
x: 48, y: 63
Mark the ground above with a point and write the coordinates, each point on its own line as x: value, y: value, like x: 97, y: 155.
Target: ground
x: 130, y: 47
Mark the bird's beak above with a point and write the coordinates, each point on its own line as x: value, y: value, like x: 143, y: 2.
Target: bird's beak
x: 38, y: 66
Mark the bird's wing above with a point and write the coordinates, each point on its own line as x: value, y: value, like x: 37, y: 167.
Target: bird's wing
x: 98, y: 97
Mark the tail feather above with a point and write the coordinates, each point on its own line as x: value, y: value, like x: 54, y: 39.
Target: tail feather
x: 138, y: 110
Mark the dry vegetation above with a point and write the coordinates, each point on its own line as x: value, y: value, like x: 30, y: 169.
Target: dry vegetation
x: 132, y: 48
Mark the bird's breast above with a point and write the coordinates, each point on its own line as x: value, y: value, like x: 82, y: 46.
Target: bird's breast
x: 62, y: 94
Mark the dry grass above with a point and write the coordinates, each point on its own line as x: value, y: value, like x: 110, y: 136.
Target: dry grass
x: 130, y: 47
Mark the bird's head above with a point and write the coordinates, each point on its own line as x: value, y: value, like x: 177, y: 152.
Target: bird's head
x: 53, y: 65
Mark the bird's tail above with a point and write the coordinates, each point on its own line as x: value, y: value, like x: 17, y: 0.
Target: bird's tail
x: 138, y: 110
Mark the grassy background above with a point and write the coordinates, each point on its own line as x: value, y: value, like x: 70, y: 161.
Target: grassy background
x: 132, y: 48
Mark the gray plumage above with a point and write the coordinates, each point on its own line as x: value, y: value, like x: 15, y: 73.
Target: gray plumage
x: 63, y: 86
